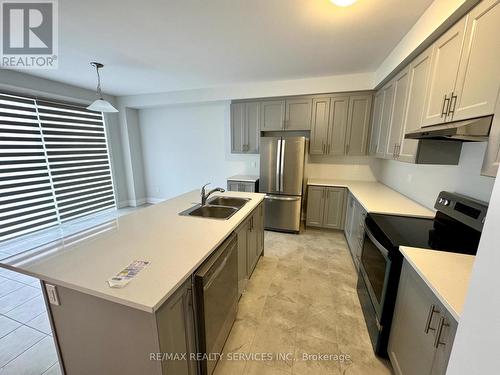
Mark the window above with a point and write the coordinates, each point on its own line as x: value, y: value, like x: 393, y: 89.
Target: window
x: 54, y: 164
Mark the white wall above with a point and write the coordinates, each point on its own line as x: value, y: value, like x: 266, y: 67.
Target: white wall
x: 422, y: 183
x: 342, y: 168
x: 187, y: 146
x: 248, y: 90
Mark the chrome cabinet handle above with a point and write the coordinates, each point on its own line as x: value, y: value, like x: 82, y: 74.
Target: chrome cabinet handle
x: 453, y: 103
x: 398, y: 150
x: 446, y: 104
x: 432, y: 310
x: 324, y: 148
x: 394, y: 152
x: 441, y: 325
x: 347, y: 147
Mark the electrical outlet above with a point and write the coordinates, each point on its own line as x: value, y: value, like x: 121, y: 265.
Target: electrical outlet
x: 52, y: 294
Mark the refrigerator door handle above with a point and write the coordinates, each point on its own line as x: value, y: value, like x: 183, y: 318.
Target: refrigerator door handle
x: 278, y: 158
x: 282, y: 198
x: 283, y: 142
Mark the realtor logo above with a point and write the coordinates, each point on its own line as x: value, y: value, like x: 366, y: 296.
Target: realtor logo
x: 29, y: 34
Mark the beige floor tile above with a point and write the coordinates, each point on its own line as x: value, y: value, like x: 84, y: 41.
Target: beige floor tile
x: 54, y: 370
x: 28, y: 310
x: 17, y: 298
x: 300, y: 299
x: 16, y: 342
x: 34, y: 361
x: 41, y: 323
x: 7, y: 325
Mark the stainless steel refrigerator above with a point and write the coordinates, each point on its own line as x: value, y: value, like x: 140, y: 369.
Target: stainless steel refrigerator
x: 281, y: 178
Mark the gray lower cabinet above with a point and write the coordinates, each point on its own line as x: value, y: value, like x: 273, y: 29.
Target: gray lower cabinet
x: 245, y: 186
x: 245, y: 127
x: 85, y: 327
x: 250, y: 245
x: 354, y: 228
x: 422, y: 330
x: 325, y: 207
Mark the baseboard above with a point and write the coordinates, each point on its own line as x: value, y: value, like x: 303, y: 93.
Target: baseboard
x: 155, y: 200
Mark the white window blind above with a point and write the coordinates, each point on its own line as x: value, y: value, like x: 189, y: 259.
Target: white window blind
x: 54, y: 164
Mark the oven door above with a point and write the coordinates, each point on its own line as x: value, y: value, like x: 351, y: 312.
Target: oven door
x: 375, y: 266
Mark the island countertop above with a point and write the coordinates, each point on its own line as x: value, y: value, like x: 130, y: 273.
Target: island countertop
x: 175, y: 245
x: 377, y: 198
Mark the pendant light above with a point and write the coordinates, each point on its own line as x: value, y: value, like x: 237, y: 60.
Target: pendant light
x: 100, y: 105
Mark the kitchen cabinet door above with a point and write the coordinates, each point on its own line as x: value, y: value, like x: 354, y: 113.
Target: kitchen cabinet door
x: 446, y: 338
x: 242, y: 234
x: 444, y: 69
x: 259, y: 228
x: 176, y: 332
x: 378, y: 102
x: 333, y: 215
x: 252, y: 127
x: 315, y: 206
x: 253, y: 245
x: 411, y: 349
x: 418, y: 77
x: 385, y: 121
x: 272, y: 115
x: 319, y: 126
x: 358, y: 124
x: 349, y: 220
x: 398, y: 112
x: 233, y: 186
x: 479, y: 73
x: 238, y: 127
x: 339, y: 111
x: 298, y: 114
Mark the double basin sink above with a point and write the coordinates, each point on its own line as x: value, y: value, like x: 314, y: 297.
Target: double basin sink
x: 217, y: 208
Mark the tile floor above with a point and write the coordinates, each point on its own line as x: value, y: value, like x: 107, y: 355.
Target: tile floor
x: 301, y: 299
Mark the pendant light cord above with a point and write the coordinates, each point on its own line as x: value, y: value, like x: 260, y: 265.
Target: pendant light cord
x: 99, y: 93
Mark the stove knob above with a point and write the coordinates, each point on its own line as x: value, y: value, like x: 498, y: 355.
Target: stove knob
x: 441, y: 200
x: 446, y: 202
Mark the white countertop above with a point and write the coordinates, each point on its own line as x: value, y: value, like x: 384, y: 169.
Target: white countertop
x: 175, y: 245
x: 377, y: 198
x: 447, y: 274
x: 243, y: 177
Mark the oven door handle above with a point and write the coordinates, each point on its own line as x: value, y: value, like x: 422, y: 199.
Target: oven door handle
x: 379, y: 246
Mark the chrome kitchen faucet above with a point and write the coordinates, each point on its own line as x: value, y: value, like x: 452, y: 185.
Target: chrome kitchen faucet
x: 204, y: 196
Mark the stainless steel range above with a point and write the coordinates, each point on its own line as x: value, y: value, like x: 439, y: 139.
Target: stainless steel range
x: 456, y: 228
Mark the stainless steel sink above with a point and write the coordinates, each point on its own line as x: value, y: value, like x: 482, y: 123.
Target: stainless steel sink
x: 210, y: 211
x: 228, y: 201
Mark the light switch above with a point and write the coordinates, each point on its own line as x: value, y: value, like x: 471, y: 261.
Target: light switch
x: 52, y: 294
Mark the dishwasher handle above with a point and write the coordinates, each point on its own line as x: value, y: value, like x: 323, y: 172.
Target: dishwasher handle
x: 216, y: 273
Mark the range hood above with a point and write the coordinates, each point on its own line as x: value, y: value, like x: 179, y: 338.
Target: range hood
x: 473, y: 130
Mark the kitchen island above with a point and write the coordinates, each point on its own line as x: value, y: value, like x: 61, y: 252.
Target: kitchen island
x: 104, y: 330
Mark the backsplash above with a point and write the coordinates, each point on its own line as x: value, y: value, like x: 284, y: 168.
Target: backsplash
x: 423, y: 183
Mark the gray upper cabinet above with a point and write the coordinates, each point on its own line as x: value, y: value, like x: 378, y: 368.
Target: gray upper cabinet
x: 478, y: 79
x: 298, y: 114
x: 444, y: 69
x: 422, y: 331
x: 325, y: 207
x: 358, y: 124
x: 339, y: 111
x: 385, y: 119
x: 378, y: 102
x: 398, y: 113
x: 319, y: 125
x: 272, y: 114
x: 418, y: 75
x: 340, y: 125
x: 245, y: 127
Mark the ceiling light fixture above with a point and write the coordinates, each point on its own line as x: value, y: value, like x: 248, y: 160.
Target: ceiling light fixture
x: 100, y: 105
x: 343, y: 3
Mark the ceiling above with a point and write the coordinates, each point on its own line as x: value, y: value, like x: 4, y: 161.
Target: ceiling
x: 168, y: 45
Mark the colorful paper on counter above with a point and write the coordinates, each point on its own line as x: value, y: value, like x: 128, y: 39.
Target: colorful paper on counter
x: 127, y: 274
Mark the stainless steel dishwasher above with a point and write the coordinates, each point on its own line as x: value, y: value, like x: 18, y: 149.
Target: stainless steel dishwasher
x: 216, y: 301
